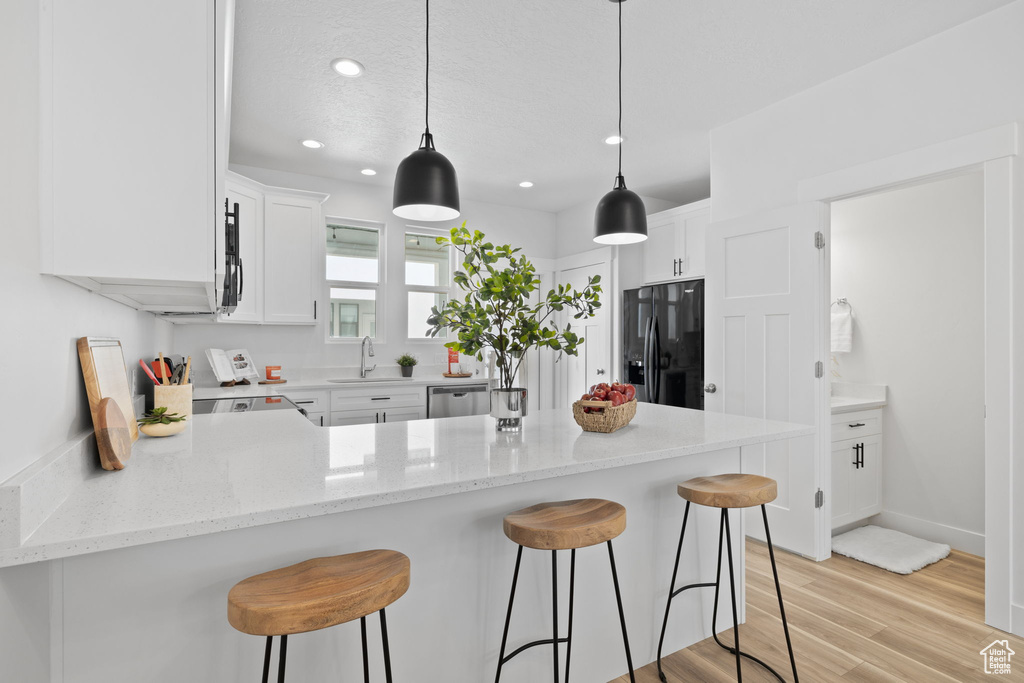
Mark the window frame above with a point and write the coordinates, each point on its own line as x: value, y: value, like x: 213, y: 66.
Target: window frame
x: 423, y: 231
x: 379, y: 288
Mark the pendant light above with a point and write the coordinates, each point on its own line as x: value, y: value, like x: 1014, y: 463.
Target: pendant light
x: 620, y: 217
x: 426, y: 187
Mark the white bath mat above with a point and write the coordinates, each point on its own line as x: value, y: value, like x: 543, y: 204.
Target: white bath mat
x: 888, y: 549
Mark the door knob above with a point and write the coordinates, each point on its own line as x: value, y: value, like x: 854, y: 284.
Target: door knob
x: 600, y: 371
x: 710, y: 388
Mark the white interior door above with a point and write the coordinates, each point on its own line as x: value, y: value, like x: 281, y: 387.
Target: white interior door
x: 594, y: 362
x: 762, y: 341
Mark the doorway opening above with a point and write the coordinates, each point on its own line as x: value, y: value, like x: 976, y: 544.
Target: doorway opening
x: 907, y: 305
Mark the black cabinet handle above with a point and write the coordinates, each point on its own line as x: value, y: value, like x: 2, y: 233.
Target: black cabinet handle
x: 381, y: 398
x: 859, y: 424
x: 856, y: 456
x: 302, y: 403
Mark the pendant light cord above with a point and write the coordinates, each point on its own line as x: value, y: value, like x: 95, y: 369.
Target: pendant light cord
x: 621, y: 141
x: 426, y: 77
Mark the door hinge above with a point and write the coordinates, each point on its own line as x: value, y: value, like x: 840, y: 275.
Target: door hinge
x: 819, y: 499
x: 819, y: 369
x: 819, y: 240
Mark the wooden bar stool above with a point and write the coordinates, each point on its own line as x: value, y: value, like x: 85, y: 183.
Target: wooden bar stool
x: 316, y: 594
x: 728, y: 491
x: 565, y: 525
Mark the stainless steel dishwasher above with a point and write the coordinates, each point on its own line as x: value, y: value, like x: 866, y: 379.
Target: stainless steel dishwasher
x: 456, y: 401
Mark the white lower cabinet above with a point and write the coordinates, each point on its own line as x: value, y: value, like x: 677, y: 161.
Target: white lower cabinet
x: 377, y: 406
x: 856, y: 466
x: 315, y: 403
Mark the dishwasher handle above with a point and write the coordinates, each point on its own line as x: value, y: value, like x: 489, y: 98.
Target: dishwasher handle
x: 457, y: 392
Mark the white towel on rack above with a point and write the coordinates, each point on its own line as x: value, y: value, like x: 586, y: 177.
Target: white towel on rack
x: 842, y: 329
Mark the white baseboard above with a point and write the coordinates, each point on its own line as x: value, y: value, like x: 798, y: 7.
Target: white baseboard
x: 1017, y: 620
x: 958, y: 539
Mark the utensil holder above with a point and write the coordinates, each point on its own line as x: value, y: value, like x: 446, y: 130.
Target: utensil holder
x: 177, y: 398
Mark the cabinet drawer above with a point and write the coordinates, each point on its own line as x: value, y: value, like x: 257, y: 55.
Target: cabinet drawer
x: 378, y: 399
x: 856, y: 425
x: 310, y: 401
x: 319, y: 419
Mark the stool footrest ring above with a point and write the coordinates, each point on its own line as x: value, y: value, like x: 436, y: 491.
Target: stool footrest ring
x: 548, y: 641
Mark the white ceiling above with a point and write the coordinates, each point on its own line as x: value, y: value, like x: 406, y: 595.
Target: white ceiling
x: 525, y: 89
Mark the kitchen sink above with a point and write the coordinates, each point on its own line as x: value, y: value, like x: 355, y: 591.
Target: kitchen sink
x: 368, y: 380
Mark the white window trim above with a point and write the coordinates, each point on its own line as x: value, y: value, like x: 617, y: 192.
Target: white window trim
x: 380, y: 287
x: 407, y: 288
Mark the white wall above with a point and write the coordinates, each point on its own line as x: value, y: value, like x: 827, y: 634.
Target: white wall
x: 305, y: 346
x: 911, y: 263
x: 959, y: 82
x: 44, y: 399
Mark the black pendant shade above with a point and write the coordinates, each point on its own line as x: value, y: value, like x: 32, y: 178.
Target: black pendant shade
x: 426, y: 186
x: 621, y: 217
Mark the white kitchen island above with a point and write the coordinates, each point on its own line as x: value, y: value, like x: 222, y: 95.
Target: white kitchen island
x: 140, y: 561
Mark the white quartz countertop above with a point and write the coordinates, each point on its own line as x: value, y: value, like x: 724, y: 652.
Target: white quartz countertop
x: 232, y: 471
x: 321, y: 384
x: 848, y: 397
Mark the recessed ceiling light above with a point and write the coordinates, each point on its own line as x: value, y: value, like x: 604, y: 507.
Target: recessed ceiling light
x: 347, y: 67
x: 368, y: 171
x: 613, y: 140
x: 313, y: 144
x: 526, y: 183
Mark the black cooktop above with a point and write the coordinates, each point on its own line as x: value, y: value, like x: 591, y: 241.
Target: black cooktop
x: 241, y: 405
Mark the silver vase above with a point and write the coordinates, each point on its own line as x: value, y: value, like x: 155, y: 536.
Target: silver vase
x: 508, y: 407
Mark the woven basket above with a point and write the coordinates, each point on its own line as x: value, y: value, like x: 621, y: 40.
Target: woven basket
x: 612, y: 419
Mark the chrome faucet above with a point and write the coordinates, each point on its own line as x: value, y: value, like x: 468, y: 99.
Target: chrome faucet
x: 362, y: 357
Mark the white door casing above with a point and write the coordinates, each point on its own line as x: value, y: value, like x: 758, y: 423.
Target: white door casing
x: 596, y: 354
x: 762, y: 340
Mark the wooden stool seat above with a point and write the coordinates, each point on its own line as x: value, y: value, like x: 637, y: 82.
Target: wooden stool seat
x: 729, y: 490
x: 318, y: 593
x: 567, y: 524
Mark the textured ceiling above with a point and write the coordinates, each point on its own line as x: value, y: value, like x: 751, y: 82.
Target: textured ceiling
x: 525, y: 89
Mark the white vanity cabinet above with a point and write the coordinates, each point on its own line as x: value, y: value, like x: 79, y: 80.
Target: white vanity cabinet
x: 281, y: 236
x: 133, y: 132
x: 674, y: 249
x: 315, y: 403
x: 856, y: 465
x: 372, y: 405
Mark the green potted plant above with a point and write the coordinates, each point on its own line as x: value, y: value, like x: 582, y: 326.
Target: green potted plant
x: 497, y: 314
x: 406, y: 361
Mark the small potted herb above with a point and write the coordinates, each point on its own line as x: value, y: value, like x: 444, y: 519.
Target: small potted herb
x: 159, y: 423
x: 406, y: 362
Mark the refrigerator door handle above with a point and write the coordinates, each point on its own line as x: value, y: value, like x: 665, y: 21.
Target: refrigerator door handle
x: 656, y: 357
x: 647, y: 360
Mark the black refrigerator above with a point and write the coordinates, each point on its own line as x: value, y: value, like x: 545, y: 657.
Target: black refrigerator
x: 663, y: 343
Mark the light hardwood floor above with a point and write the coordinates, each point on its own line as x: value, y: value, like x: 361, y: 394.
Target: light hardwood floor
x: 851, y: 621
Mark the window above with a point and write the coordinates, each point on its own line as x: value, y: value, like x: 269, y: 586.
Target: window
x: 427, y: 278
x: 354, y: 275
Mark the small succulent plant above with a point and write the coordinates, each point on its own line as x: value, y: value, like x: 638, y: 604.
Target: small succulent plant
x: 159, y: 416
x: 406, y: 360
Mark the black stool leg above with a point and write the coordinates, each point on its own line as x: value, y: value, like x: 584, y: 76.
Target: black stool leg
x: 387, y: 650
x: 554, y: 609
x: 280, y: 663
x: 622, y: 616
x: 366, y: 654
x: 671, y: 590
x: 572, y: 592
x: 508, y: 616
x: 266, y: 659
x: 732, y: 590
x: 778, y: 591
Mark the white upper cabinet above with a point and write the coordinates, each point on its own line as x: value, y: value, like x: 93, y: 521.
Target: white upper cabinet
x: 249, y: 197
x: 281, y: 245
x: 133, y: 132
x: 293, y: 264
x: 674, y: 249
